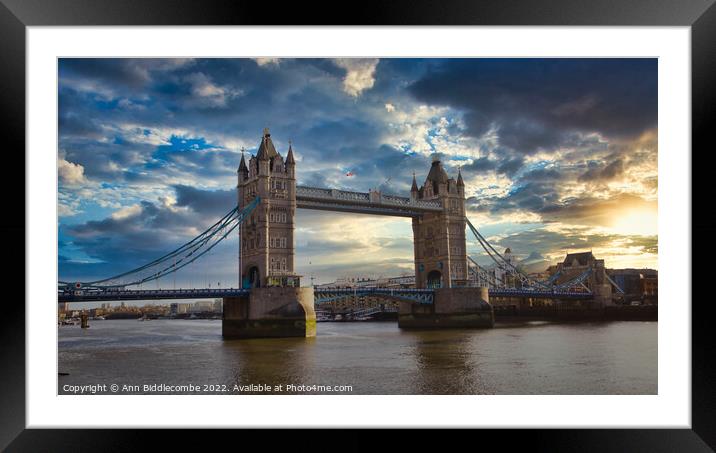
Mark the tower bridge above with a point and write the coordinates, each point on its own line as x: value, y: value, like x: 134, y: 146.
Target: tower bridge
x: 450, y: 289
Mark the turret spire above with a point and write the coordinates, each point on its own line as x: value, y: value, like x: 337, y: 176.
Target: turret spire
x: 459, y: 178
x: 437, y: 173
x: 414, y: 188
x: 289, y: 157
x: 266, y: 149
x: 242, y: 165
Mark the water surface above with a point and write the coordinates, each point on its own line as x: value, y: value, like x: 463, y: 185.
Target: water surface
x: 370, y: 357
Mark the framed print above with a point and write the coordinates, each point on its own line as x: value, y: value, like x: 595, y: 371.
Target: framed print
x: 408, y: 221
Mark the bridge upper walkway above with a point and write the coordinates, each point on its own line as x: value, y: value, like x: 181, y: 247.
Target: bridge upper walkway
x: 363, y: 202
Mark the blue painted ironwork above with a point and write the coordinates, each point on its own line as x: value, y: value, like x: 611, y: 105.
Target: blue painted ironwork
x: 538, y: 294
x: 482, y: 276
x: 101, y: 294
x: 502, y: 262
x: 619, y: 290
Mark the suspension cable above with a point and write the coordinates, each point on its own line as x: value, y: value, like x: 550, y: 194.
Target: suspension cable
x: 196, y: 248
x: 487, y: 247
x: 172, y: 253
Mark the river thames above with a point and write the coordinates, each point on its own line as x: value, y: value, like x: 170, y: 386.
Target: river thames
x: 362, y: 358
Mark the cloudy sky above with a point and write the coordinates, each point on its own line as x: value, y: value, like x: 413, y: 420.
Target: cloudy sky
x: 557, y: 155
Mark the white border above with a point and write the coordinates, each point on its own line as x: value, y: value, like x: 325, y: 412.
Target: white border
x: 670, y: 408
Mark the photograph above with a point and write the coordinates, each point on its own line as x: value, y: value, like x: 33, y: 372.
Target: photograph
x: 357, y: 226
x: 407, y: 216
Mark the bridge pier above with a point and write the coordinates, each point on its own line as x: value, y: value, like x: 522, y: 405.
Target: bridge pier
x: 451, y: 307
x: 84, y: 319
x: 270, y: 312
x: 603, y: 294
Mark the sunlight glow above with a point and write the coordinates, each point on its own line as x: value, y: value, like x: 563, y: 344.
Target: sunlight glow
x: 636, y: 221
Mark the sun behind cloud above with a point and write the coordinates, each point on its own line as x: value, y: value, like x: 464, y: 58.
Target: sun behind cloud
x: 642, y: 222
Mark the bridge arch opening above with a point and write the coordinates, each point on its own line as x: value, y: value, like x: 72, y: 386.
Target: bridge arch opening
x: 434, y: 279
x: 253, y: 277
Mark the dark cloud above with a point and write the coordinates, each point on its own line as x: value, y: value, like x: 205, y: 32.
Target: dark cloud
x: 113, y: 71
x: 536, y: 103
x: 505, y: 163
x: 480, y: 164
x: 532, y: 196
x: 598, y: 171
x: 510, y: 165
x: 210, y: 203
x: 543, y: 174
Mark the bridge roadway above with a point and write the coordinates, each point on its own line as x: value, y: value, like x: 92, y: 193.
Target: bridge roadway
x: 537, y: 294
x: 149, y: 294
x: 422, y: 296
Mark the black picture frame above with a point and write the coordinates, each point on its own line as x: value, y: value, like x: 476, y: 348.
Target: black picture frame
x: 16, y: 15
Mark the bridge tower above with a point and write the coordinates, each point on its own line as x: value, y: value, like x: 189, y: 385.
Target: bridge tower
x: 439, y: 238
x: 266, y: 247
x: 276, y: 306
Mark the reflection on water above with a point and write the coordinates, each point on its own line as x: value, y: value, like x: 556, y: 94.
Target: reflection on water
x: 373, y: 358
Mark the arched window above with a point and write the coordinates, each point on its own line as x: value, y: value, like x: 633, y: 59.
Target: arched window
x: 434, y: 279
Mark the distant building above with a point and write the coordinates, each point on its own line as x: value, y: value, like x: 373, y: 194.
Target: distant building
x: 179, y: 308
x: 551, y: 270
x: 585, y: 268
x: 202, y: 306
x: 503, y: 273
x: 97, y: 312
x: 405, y: 281
x: 629, y: 282
x: 650, y: 289
x: 575, y: 264
x: 637, y: 284
x: 539, y: 276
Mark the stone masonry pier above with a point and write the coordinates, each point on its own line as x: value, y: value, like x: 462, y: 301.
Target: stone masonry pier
x: 270, y: 312
x: 452, y: 307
